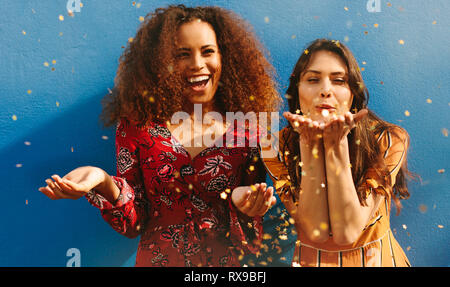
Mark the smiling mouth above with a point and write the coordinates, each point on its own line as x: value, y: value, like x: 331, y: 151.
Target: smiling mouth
x: 198, y: 83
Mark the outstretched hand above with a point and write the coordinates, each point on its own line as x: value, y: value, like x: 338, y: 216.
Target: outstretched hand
x: 339, y: 127
x: 253, y: 200
x: 73, y: 185
x: 310, y: 131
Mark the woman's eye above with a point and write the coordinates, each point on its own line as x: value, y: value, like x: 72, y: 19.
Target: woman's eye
x: 339, y: 81
x: 182, y: 55
x: 208, y: 51
x: 313, y: 80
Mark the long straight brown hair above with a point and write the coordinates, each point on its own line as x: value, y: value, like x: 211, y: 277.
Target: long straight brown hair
x: 363, y: 146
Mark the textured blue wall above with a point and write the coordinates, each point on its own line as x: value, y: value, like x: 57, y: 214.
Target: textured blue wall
x: 54, y: 72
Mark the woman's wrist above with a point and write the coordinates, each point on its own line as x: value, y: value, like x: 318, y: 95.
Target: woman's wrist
x: 107, y: 188
x: 337, y: 149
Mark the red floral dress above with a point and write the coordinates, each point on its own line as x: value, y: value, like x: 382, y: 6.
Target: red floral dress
x: 181, y: 206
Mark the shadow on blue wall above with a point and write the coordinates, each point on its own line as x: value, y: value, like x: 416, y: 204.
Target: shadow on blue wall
x: 39, y: 231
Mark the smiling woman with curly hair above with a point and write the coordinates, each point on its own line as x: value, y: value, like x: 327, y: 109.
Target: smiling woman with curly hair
x: 148, y: 87
x: 193, y: 205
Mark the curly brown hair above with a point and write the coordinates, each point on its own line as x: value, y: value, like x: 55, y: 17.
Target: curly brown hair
x: 148, y: 88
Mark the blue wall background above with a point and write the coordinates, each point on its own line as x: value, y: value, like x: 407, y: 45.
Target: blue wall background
x: 54, y: 72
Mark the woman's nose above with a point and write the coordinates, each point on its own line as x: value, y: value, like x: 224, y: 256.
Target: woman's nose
x: 326, y: 89
x: 197, y: 62
x: 325, y: 94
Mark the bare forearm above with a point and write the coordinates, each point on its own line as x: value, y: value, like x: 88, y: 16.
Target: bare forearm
x: 313, y: 206
x: 347, y: 215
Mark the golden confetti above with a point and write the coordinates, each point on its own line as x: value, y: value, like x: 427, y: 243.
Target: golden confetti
x: 323, y: 226
x: 29, y: 92
x: 151, y: 99
x: 14, y: 117
x: 57, y: 103
x: 141, y: 19
x: 27, y: 143
x: 283, y: 237
x: 346, y: 39
x: 251, y: 168
x: 440, y: 226
x: 130, y: 39
x: 293, y: 36
x: 315, y: 152
x: 251, y: 98
x: 423, y: 208
x: 267, y: 236
x: 434, y: 23
x: 266, y: 19
x: 407, y: 113
x: 375, y: 25
x: 46, y: 64
x: 23, y: 32
x: 325, y: 113
x: 71, y: 149
x: 26, y: 201
x: 104, y: 137
x: 358, y: 141
x: 441, y: 170
x: 429, y: 101
x: 401, y: 42
x: 18, y: 165
x: 306, y: 52
x: 61, y: 18
x: 445, y: 132
x: 223, y: 195
x: 53, y: 62
x: 346, y: 8
x: 404, y: 226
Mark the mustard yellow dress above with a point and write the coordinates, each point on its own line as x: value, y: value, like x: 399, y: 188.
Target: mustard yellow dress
x: 376, y: 246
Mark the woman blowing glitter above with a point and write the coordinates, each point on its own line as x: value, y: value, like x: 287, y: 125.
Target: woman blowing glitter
x: 193, y: 204
x: 339, y: 165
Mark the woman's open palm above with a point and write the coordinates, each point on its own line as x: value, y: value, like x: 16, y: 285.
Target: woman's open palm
x: 73, y: 185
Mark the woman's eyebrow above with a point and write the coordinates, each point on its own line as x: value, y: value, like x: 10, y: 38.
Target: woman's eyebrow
x: 319, y: 72
x: 312, y: 71
x: 210, y: 45
x: 202, y: 47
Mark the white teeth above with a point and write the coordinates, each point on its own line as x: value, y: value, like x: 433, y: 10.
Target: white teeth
x: 197, y: 79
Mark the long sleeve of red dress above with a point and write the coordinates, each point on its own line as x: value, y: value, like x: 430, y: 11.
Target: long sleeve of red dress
x: 181, y: 206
